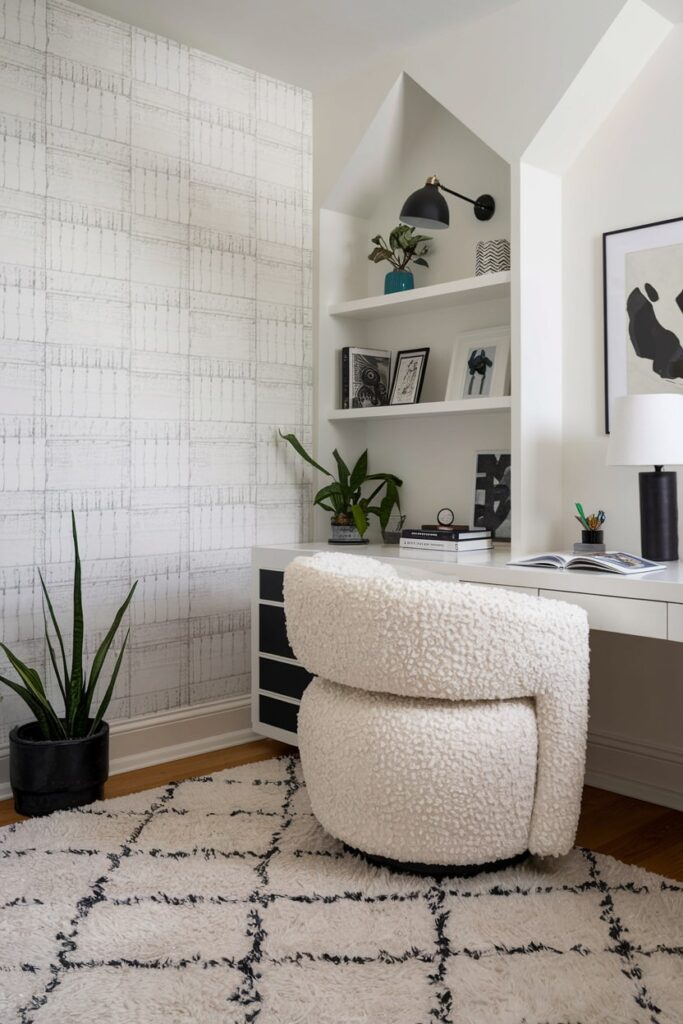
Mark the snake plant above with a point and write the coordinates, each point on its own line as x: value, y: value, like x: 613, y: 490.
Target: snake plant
x: 77, y: 689
x: 344, y: 498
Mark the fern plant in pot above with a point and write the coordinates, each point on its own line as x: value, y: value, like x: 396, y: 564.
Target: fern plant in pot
x: 344, y: 498
x: 61, y: 759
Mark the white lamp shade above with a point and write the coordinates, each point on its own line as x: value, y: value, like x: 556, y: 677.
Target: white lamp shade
x: 646, y: 430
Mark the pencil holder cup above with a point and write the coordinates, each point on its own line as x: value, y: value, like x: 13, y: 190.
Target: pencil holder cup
x: 591, y: 543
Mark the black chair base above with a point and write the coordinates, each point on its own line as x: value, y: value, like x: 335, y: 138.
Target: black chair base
x: 437, y: 870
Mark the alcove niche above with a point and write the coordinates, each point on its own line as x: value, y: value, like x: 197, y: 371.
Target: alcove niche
x: 431, y: 445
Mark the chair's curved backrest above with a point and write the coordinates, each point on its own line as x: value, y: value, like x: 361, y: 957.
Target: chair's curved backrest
x: 354, y: 620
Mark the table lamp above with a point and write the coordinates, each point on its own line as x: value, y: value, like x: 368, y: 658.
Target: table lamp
x: 647, y: 430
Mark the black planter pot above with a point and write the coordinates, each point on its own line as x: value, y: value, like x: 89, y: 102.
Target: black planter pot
x: 55, y: 775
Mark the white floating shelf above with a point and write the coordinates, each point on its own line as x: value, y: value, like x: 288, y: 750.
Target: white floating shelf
x: 433, y: 296
x: 395, y: 412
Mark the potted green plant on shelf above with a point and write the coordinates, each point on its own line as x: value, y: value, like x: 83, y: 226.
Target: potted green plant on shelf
x: 61, y: 761
x: 343, y: 497
x: 404, y: 247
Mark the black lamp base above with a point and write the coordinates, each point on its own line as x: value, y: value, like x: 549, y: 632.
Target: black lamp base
x: 658, y: 516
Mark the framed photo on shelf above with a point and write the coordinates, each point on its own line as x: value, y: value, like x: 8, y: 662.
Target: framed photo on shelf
x: 643, y: 310
x: 409, y: 374
x: 492, y: 500
x: 365, y: 375
x: 480, y: 364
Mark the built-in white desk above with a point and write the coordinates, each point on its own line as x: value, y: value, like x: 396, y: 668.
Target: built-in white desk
x: 648, y: 605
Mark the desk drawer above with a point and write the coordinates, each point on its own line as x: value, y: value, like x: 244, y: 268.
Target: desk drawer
x: 618, y: 614
x: 279, y: 713
x: 283, y: 677
x: 675, y: 631
x: 531, y: 591
x: 273, y: 631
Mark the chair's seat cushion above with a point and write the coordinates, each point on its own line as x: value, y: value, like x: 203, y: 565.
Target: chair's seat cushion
x: 421, y: 781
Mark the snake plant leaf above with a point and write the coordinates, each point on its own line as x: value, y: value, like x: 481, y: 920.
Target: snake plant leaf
x: 359, y: 472
x: 110, y: 689
x: 103, y: 650
x: 29, y: 676
x: 48, y: 729
x: 53, y: 657
x: 360, y: 519
x: 56, y: 626
x: 34, y: 695
x: 75, y: 685
x: 299, y: 448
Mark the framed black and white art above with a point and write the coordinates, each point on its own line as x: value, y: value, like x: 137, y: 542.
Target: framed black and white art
x: 492, y: 498
x: 409, y: 374
x: 643, y: 309
x: 480, y: 365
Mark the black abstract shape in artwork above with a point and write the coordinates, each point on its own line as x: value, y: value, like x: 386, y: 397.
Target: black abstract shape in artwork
x: 649, y: 339
x: 493, y: 484
x: 479, y: 363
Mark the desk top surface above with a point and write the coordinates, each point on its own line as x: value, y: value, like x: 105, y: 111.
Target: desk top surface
x: 491, y: 567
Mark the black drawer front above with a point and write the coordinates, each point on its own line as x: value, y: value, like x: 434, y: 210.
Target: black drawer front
x: 279, y: 677
x: 273, y: 632
x: 278, y: 713
x: 271, y: 584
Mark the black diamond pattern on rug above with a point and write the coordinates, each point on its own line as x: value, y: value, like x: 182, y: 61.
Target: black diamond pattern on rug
x: 220, y: 900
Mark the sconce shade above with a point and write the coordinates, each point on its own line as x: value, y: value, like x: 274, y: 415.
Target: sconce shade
x: 646, y: 430
x: 426, y: 208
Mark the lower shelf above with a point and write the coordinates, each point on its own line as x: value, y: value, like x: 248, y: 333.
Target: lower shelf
x: 395, y: 412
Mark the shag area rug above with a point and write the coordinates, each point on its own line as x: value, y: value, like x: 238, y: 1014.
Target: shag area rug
x: 220, y: 900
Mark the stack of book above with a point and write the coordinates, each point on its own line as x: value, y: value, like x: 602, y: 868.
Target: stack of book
x: 456, y: 540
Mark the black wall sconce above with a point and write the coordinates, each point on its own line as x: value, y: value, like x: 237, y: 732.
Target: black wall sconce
x: 427, y: 208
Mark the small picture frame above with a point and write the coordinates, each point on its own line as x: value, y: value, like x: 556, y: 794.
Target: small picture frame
x: 480, y: 365
x: 409, y: 374
x: 492, y: 498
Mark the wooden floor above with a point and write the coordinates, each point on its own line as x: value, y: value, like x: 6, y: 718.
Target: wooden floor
x: 630, y: 830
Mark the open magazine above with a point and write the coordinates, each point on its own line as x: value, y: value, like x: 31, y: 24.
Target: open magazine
x: 611, y: 561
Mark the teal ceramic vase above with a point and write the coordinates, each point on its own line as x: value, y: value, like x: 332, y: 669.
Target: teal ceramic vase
x: 398, y: 281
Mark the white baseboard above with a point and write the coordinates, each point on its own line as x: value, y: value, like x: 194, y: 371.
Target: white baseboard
x: 642, y: 770
x: 154, y: 739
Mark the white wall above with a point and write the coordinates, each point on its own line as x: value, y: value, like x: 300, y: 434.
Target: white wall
x: 629, y: 174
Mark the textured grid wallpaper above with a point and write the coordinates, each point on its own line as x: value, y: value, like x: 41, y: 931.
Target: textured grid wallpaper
x: 155, y: 317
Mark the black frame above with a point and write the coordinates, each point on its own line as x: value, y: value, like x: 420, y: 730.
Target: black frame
x: 405, y: 353
x: 605, y: 322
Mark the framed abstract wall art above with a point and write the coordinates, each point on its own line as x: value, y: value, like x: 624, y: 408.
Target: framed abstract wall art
x: 480, y: 365
x: 409, y: 375
x: 643, y: 310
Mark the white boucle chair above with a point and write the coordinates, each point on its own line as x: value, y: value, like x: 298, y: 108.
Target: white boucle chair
x: 446, y: 727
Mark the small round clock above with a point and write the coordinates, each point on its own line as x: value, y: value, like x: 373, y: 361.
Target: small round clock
x: 445, y: 517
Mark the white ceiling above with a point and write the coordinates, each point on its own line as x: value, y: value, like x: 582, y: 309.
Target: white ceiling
x: 310, y: 43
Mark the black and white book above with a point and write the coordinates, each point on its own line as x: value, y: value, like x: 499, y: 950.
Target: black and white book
x: 464, y: 534
x: 365, y: 376
x: 612, y: 561
x: 416, y: 543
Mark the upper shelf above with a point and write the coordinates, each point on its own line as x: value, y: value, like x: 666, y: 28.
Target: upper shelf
x: 433, y: 296
x: 396, y: 412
